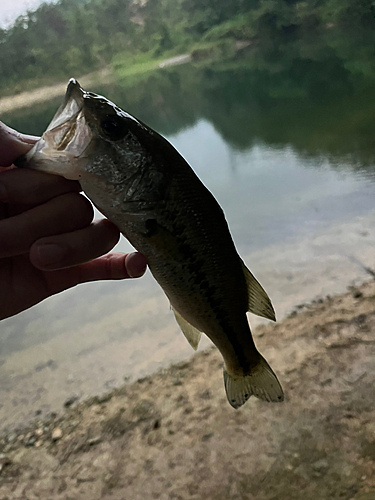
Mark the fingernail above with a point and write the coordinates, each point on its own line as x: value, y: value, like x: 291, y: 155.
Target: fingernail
x: 3, y: 192
x: 135, y: 265
x: 50, y: 254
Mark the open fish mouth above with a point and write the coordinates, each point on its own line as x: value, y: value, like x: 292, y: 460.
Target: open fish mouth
x: 65, y: 139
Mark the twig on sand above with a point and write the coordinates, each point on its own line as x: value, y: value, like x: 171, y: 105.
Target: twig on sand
x: 367, y: 269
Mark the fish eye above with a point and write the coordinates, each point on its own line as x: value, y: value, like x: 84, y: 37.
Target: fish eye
x: 113, y: 127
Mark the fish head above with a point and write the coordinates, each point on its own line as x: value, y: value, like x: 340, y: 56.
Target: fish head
x: 92, y: 140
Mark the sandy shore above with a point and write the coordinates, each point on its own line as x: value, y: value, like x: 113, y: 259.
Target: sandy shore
x: 43, y: 94
x: 174, y: 436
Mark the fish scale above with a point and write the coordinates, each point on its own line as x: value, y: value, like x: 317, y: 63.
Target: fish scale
x: 142, y: 184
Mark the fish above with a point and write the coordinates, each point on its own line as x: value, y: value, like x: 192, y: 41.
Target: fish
x: 140, y: 182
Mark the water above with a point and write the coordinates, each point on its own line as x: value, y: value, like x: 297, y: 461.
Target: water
x: 291, y: 164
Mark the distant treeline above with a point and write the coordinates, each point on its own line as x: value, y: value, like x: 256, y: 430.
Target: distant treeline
x: 78, y: 36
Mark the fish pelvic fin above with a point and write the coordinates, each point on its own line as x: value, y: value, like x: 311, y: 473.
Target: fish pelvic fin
x: 261, y: 383
x: 192, y: 334
x: 258, y: 301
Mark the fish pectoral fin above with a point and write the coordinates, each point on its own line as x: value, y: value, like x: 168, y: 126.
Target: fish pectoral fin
x: 261, y: 383
x: 258, y: 301
x: 192, y: 334
x: 138, y: 211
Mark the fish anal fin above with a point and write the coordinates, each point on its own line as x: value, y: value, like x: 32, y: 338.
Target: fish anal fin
x: 192, y: 334
x: 258, y: 301
x: 261, y: 383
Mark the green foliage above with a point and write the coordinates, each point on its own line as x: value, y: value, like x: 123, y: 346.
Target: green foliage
x: 79, y: 36
x: 239, y: 28
x: 316, y: 106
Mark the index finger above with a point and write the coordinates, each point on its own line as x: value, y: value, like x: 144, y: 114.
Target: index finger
x: 30, y: 187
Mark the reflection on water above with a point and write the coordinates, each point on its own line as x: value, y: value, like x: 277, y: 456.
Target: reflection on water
x: 294, y: 176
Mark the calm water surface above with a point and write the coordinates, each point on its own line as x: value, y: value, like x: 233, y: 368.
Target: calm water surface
x: 293, y: 171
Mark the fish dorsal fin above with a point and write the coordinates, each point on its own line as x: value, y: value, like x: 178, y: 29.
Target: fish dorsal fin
x: 192, y: 334
x: 258, y: 301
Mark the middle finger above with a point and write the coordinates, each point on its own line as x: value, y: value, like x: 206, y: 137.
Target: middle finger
x: 59, y: 215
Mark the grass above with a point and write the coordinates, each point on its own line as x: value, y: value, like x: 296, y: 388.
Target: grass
x: 127, y: 65
x: 217, y: 44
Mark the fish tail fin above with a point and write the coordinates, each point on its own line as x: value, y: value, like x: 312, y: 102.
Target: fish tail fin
x: 260, y: 382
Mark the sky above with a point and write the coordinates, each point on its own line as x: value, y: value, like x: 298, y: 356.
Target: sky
x: 11, y: 9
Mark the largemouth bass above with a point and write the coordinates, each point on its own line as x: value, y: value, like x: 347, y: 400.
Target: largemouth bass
x: 141, y: 183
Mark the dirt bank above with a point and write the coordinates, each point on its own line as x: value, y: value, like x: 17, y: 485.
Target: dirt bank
x: 174, y: 436
x: 31, y: 97
x: 43, y: 94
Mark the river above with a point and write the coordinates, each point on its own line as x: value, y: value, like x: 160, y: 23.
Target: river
x: 291, y: 163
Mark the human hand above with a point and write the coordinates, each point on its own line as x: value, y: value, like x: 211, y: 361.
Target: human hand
x: 48, y: 239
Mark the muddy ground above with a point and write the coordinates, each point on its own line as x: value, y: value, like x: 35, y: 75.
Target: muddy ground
x: 174, y: 436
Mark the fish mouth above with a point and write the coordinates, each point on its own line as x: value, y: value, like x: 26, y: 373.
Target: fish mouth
x: 65, y: 139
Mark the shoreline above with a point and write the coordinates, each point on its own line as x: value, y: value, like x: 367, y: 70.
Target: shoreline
x: 173, y: 434
x: 128, y: 332
x: 105, y: 76
x: 42, y: 94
